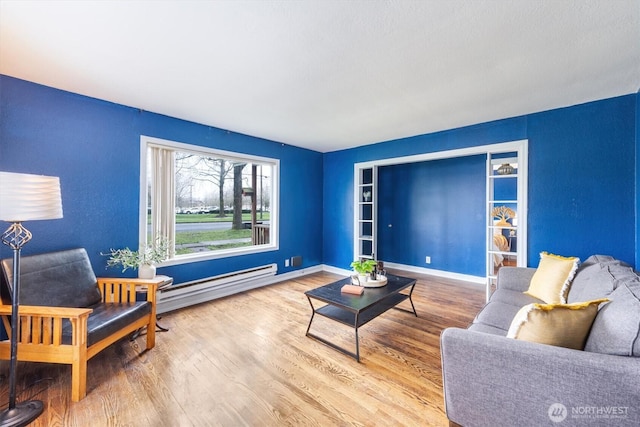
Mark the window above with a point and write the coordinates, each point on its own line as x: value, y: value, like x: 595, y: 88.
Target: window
x: 207, y: 203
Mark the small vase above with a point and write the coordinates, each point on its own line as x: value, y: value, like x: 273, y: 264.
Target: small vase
x: 147, y: 271
x: 362, y: 278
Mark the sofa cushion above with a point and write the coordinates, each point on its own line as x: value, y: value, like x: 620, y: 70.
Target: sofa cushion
x: 616, y: 329
x: 597, y: 277
x: 512, y: 297
x: 481, y: 327
x: 552, y: 279
x: 563, y: 325
x: 497, y: 314
x: 59, y: 279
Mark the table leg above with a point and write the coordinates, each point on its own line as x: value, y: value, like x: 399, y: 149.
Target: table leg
x: 411, y: 300
x: 329, y: 343
x: 313, y: 313
x: 355, y: 326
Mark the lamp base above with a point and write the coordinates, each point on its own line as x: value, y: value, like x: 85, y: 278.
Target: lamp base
x: 22, y: 414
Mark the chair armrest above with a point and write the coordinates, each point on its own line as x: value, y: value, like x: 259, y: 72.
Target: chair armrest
x: 118, y: 289
x: 41, y: 325
x: 494, y: 380
x: 515, y: 278
x: 37, y: 310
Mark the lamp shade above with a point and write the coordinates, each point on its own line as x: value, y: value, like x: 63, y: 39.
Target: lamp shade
x: 26, y: 197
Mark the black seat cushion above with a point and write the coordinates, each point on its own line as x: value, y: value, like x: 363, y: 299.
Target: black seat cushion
x: 106, y: 319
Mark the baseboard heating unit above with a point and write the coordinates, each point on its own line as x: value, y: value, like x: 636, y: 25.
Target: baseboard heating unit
x: 189, y: 293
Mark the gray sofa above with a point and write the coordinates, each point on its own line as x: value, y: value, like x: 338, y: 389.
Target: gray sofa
x: 492, y: 380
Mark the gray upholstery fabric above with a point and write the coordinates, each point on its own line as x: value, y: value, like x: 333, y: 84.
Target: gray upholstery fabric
x: 516, y: 298
x: 599, y: 280
x: 616, y: 329
x: 58, y: 279
x: 599, y: 259
x: 491, y: 380
x: 481, y: 327
x: 497, y: 314
x: 515, y: 278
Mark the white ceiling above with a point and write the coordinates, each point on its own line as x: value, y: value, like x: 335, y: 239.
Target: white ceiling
x: 328, y: 74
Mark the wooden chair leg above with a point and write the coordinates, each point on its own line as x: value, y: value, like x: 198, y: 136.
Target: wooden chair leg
x: 79, y: 378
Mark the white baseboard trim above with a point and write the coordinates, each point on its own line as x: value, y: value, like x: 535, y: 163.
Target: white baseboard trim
x: 336, y: 270
x: 438, y: 273
x: 224, y: 291
x: 297, y: 273
x: 216, y: 292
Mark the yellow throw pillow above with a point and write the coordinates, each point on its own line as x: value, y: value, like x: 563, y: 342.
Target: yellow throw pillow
x: 552, y: 279
x: 562, y: 325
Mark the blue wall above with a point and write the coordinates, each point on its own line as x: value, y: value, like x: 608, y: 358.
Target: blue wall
x: 94, y: 147
x: 582, y: 180
x: 434, y: 208
x: 581, y: 183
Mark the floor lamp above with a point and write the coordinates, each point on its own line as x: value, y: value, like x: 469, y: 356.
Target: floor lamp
x: 23, y: 197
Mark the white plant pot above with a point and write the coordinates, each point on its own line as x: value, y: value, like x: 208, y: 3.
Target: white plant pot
x: 363, y: 278
x: 147, y: 271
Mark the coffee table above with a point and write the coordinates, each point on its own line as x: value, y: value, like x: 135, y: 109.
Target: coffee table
x: 357, y: 310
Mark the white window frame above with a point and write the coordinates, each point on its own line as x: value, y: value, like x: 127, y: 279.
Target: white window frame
x: 273, y: 245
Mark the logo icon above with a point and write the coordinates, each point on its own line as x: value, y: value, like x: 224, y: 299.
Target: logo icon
x: 557, y: 412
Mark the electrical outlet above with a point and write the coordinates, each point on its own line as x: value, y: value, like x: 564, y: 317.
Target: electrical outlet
x: 428, y: 260
x: 286, y: 262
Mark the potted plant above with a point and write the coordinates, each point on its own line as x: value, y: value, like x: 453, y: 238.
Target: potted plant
x: 144, y: 260
x: 363, y: 267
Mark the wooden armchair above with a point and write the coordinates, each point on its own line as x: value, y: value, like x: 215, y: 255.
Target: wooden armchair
x: 67, y: 315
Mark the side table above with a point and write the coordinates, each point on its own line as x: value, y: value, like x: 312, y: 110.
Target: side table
x: 163, y: 282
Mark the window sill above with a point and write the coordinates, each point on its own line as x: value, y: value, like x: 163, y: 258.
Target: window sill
x: 206, y: 256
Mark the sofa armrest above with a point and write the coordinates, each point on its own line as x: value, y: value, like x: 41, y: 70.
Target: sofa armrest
x: 515, y: 278
x: 491, y: 380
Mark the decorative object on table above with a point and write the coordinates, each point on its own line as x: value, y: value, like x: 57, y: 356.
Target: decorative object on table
x: 380, y: 269
x: 366, y: 195
x: 23, y: 197
x: 144, y: 260
x: 363, y: 267
x: 378, y: 282
x: 505, y: 169
x: 352, y: 289
x: 503, y: 214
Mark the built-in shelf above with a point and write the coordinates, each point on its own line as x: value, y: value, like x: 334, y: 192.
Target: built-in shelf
x: 516, y: 152
x: 506, y: 242
x: 365, y: 215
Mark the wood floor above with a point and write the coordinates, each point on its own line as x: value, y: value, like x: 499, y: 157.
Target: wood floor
x: 245, y: 361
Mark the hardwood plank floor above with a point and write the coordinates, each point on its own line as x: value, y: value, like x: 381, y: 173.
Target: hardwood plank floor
x: 244, y: 360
